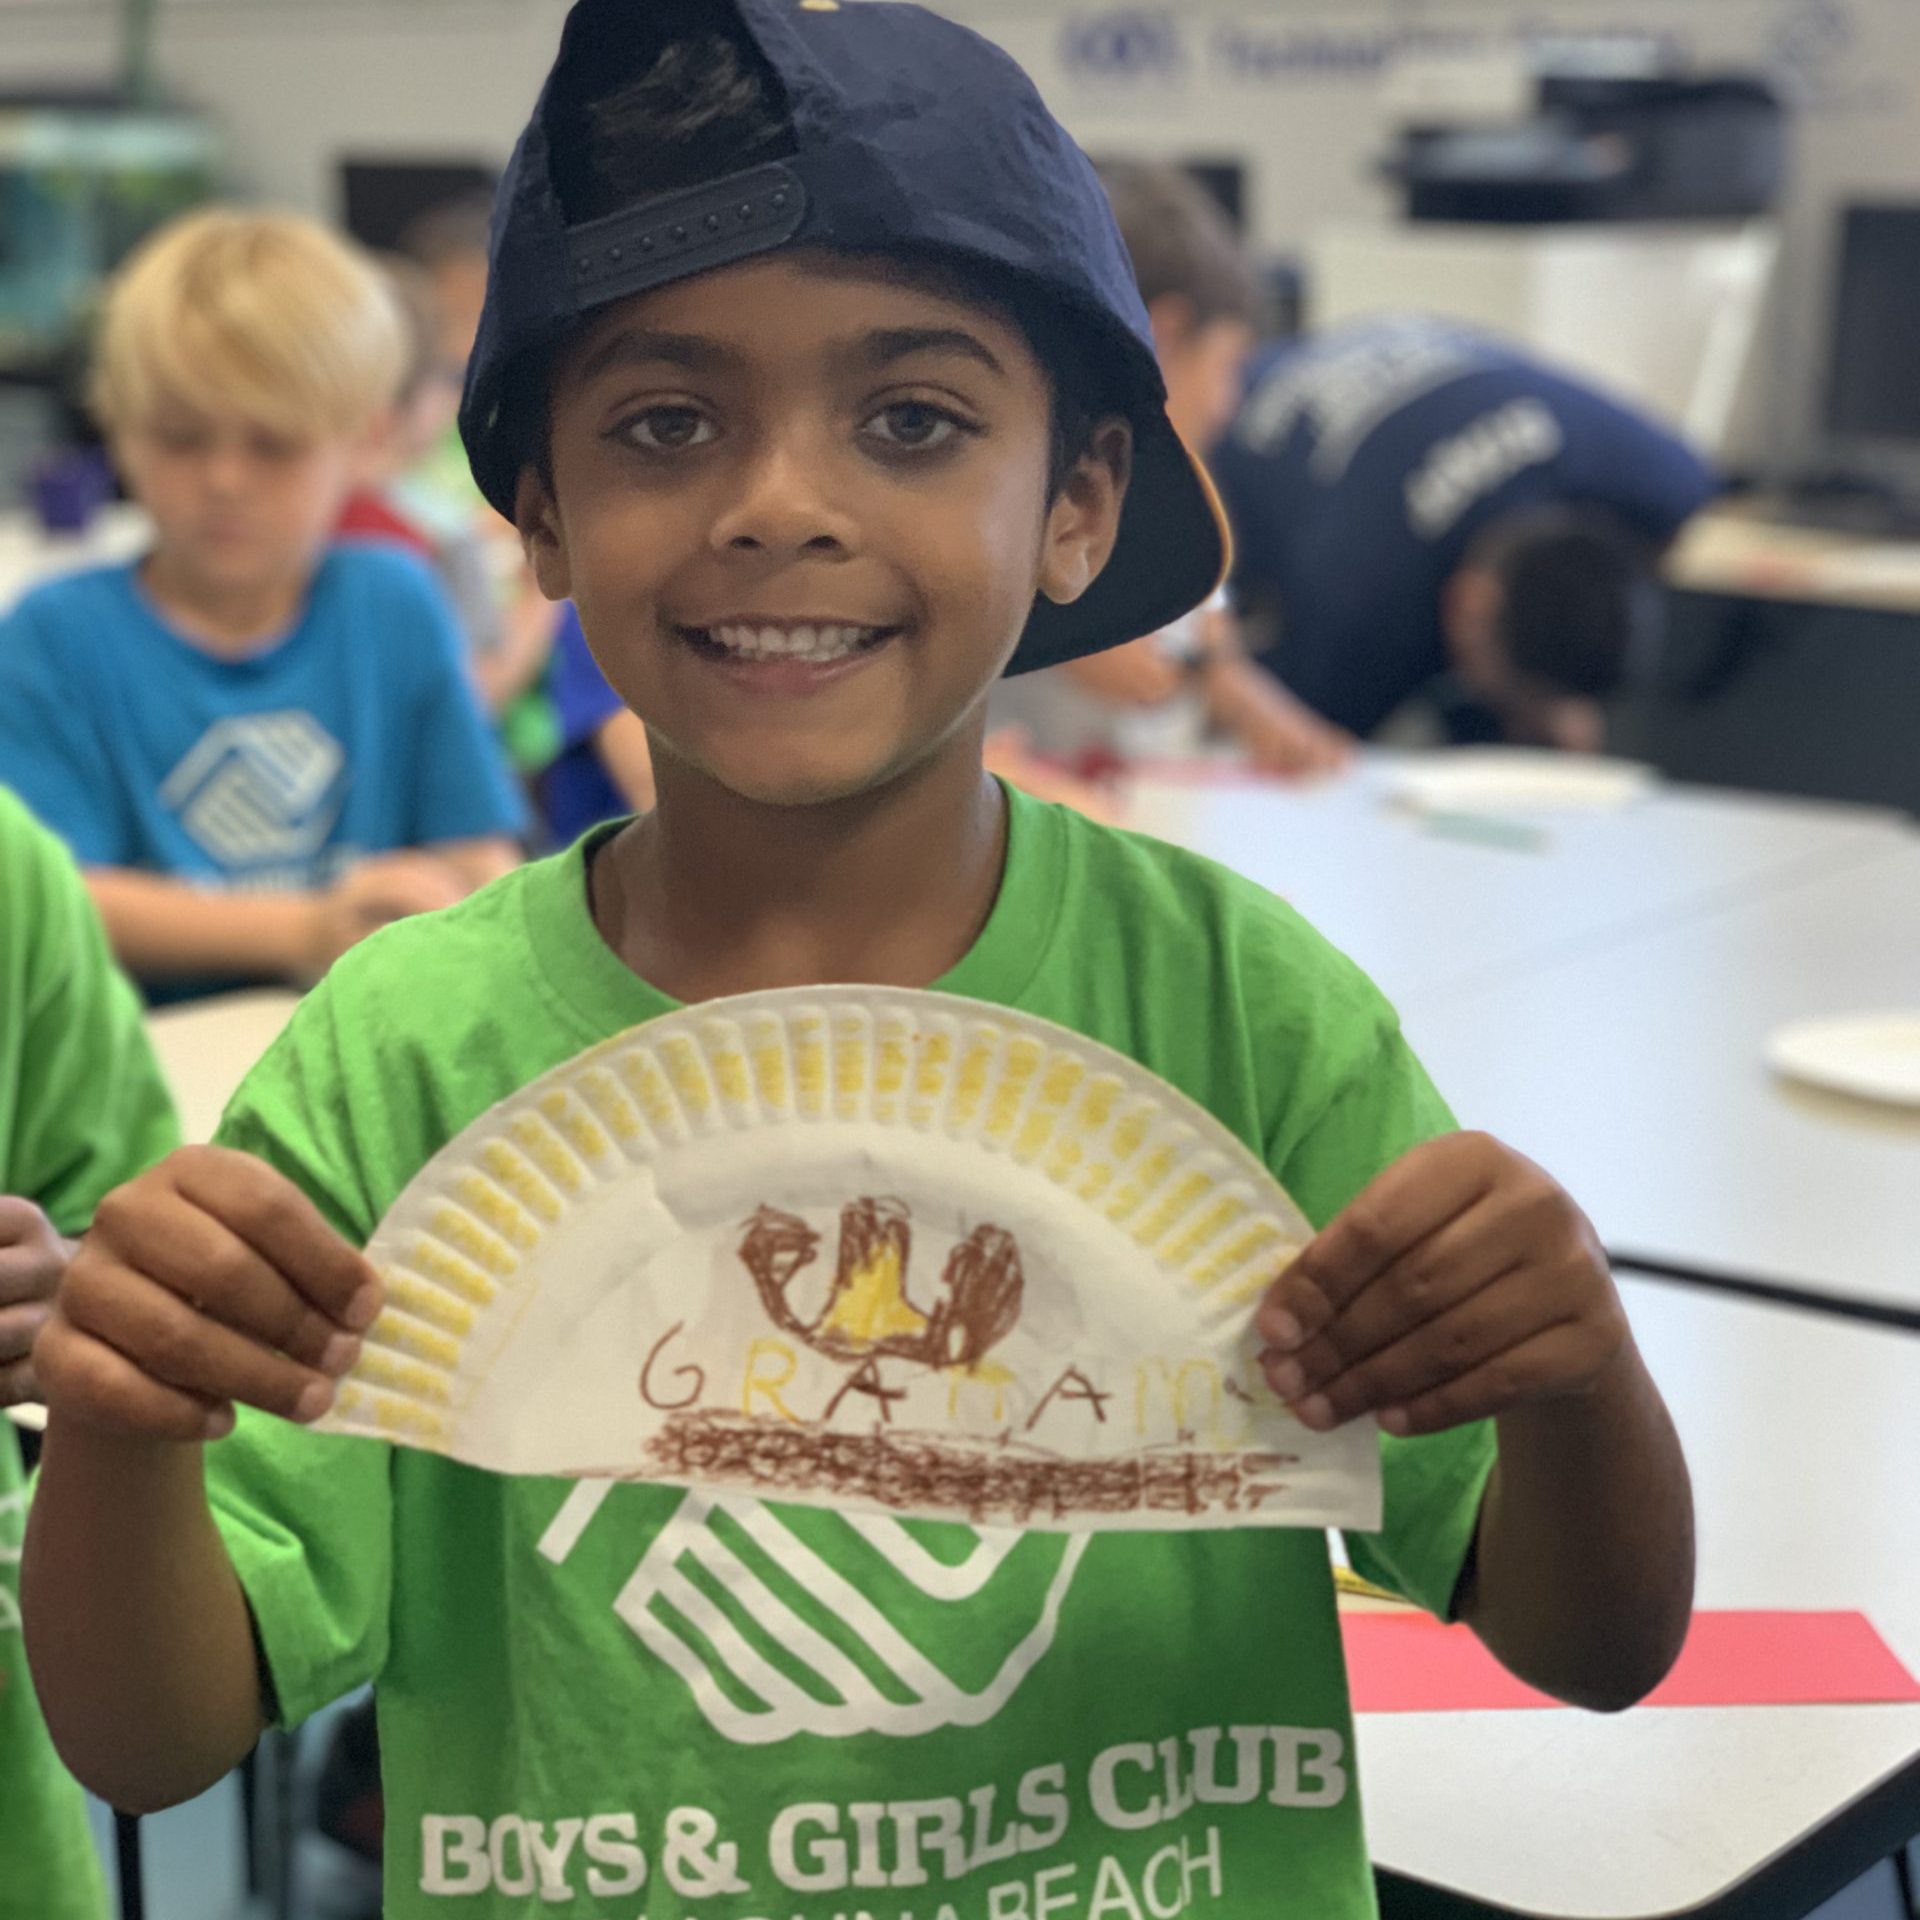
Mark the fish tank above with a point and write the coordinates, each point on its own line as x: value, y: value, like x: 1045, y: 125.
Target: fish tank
x: 82, y: 182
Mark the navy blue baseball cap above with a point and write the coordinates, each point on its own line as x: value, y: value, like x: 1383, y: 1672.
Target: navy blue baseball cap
x: 908, y: 132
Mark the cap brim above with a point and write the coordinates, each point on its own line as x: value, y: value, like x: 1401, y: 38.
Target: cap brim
x: 1172, y: 554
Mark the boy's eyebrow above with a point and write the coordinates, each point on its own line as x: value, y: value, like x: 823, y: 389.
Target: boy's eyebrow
x: 888, y: 344
x: 643, y: 346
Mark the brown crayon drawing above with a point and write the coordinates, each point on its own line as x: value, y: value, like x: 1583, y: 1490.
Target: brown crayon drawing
x: 999, y: 1481
x: 869, y: 1310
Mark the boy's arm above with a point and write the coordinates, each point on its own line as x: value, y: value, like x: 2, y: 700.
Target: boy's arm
x: 166, y: 929
x: 1581, y: 1575
x: 209, y: 1280
x: 1462, y: 1285
x: 475, y: 862
x: 138, y: 1632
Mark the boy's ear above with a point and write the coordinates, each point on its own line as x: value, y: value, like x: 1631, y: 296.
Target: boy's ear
x: 537, y: 516
x: 1084, y: 520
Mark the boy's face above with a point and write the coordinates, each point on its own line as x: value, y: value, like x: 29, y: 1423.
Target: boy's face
x: 801, y: 505
x: 236, y: 505
x: 1203, y: 363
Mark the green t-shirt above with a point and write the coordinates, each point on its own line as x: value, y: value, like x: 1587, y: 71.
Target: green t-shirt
x: 627, y: 1700
x: 82, y: 1108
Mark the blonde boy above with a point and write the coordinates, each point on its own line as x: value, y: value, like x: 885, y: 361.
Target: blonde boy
x: 259, y: 746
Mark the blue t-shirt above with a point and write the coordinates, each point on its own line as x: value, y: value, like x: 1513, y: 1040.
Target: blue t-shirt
x: 357, y: 733
x: 576, y: 791
x: 1364, y: 463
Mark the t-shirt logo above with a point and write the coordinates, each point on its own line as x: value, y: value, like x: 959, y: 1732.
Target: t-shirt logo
x: 13, y: 1527
x: 789, y: 1620
x: 259, y: 788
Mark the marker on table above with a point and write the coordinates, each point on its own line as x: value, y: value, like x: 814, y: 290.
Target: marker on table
x: 1483, y: 829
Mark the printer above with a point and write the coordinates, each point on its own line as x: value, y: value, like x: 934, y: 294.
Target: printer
x: 1633, y: 143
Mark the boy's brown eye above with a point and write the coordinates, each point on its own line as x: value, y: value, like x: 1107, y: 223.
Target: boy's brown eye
x: 915, y: 423
x: 668, y: 429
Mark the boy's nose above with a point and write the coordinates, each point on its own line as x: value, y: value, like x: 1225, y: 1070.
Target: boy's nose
x: 781, y: 508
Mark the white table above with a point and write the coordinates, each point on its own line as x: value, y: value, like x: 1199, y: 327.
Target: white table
x: 1434, y: 918
x: 29, y: 554
x: 206, y: 1047
x: 1803, y: 1433
x: 1635, y: 1075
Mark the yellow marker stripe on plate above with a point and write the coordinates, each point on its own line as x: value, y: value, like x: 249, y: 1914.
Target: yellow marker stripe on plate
x: 575, y: 1125
x: 687, y: 1073
x: 648, y: 1085
x: 415, y: 1340
x: 608, y: 1099
x: 419, y: 1300
x: 465, y: 1235
x: 517, y: 1174
x: 767, y: 1054
x: 809, y: 1036
x: 1166, y: 1213
x: 852, y: 1050
x: 409, y: 1378
x: 1019, y: 1067
x: 547, y: 1151
x: 493, y: 1204
x: 1226, y: 1211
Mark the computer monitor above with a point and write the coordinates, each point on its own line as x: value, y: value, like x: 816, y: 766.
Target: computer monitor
x: 381, y: 198
x: 1873, y: 388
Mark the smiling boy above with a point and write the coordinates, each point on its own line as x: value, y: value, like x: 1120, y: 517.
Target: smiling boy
x: 813, y: 370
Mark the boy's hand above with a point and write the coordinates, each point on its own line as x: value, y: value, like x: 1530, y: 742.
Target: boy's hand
x: 32, y: 1258
x: 208, y: 1280
x: 371, y: 893
x: 1461, y: 1284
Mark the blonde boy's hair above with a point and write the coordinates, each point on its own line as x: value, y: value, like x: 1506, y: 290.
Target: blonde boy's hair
x: 267, y: 315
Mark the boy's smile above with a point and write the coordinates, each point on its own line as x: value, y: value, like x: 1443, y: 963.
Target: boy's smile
x: 802, y: 506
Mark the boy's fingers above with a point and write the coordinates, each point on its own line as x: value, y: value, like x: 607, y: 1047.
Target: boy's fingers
x: 17, y: 1384
x: 18, y: 1325
x: 189, y: 1252
x: 20, y: 1220
x: 1413, y: 1198
x: 1431, y: 1279
x: 1521, y: 1373
x: 1456, y: 1344
x: 284, y: 1227
x: 77, y: 1371
x: 177, y: 1347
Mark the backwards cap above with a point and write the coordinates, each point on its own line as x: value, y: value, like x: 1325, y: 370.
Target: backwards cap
x: 908, y: 131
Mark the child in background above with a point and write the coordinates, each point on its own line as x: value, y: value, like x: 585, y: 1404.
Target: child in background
x: 82, y: 1109
x: 423, y: 412
x: 882, y: 419
x: 1163, y: 696
x: 259, y: 745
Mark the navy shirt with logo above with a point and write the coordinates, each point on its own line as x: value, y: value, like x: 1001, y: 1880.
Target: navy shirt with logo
x: 1363, y: 465
x: 357, y: 732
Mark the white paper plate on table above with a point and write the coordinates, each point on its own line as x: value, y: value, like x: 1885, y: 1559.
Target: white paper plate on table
x: 1516, y: 780
x: 1875, y: 1056
x: 882, y: 1251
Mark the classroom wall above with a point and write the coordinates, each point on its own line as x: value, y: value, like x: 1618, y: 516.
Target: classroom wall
x: 1292, y: 84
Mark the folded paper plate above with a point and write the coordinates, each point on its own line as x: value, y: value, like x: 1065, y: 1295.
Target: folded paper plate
x: 891, y: 1251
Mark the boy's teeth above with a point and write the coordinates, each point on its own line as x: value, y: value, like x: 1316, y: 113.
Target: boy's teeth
x: 789, y: 643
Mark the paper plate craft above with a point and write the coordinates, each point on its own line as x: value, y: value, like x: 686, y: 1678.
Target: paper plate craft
x: 887, y: 1251
x: 1872, y: 1056
x: 1516, y: 780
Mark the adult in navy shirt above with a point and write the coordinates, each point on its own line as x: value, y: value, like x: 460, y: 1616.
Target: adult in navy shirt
x: 1420, y: 509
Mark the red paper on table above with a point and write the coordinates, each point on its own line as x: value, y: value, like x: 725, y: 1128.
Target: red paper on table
x: 1408, y: 1663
